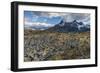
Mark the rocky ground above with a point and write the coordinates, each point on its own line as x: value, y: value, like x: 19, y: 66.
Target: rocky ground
x: 44, y: 45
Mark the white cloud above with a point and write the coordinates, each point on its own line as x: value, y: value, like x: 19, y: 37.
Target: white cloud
x: 86, y: 20
x: 68, y: 17
x: 37, y: 24
x: 42, y: 24
x: 28, y: 23
x: 52, y: 14
x: 57, y: 14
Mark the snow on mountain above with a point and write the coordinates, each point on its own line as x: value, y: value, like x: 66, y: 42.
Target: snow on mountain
x: 74, y: 26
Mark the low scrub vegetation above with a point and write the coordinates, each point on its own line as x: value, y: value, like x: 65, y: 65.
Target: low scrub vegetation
x: 45, y: 45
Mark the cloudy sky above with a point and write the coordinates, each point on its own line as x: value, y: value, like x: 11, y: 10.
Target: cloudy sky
x: 47, y: 19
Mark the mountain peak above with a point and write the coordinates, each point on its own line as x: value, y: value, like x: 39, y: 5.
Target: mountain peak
x: 73, y: 26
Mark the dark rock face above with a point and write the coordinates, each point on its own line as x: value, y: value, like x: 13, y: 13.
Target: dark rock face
x: 69, y: 27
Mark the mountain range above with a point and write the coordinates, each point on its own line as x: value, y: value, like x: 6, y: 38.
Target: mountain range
x: 62, y: 26
x: 70, y: 27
